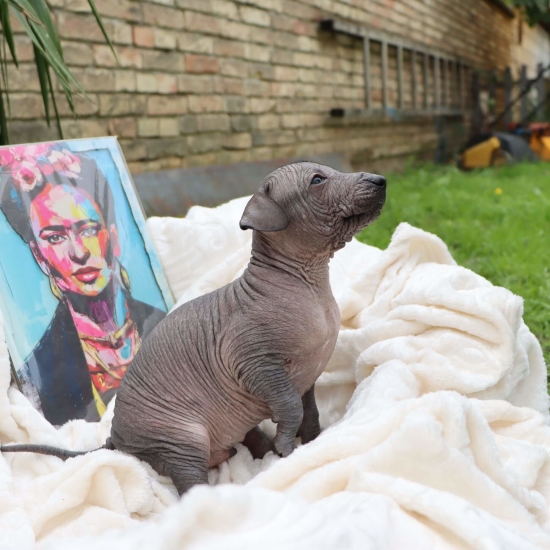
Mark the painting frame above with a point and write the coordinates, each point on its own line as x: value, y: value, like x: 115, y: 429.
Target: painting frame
x: 87, y: 185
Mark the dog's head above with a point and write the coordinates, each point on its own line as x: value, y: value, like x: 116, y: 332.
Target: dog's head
x: 315, y: 205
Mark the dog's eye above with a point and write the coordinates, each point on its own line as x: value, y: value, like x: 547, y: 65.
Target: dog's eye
x: 317, y: 179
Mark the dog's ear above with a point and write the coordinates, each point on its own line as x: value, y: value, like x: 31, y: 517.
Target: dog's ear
x: 262, y: 213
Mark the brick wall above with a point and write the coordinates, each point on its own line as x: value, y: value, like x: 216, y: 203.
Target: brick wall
x: 221, y: 81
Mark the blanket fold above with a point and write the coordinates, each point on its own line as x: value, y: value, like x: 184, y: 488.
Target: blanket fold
x: 434, y: 408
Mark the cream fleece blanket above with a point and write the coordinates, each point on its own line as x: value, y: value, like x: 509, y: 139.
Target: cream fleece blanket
x: 434, y: 406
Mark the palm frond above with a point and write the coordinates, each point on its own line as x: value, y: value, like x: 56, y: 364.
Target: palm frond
x: 7, y: 30
x: 36, y: 20
x: 55, y: 110
x: 4, y: 137
x: 42, y: 69
x: 102, y: 27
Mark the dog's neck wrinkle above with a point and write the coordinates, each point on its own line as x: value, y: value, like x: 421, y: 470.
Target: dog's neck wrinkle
x: 311, y: 275
x: 312, y: 271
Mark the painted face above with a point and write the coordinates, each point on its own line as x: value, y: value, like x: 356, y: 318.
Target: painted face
x: 72, y: 242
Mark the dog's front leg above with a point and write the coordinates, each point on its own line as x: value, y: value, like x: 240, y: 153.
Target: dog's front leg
x: 310, y: 428
x: 269, y: 382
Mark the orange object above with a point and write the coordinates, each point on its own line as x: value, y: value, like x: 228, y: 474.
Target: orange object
x: 540, y: 144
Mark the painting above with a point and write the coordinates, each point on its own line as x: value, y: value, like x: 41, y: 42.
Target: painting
x: 80, y: 283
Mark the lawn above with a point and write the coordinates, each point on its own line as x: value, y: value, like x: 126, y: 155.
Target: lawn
x: 495, y: 222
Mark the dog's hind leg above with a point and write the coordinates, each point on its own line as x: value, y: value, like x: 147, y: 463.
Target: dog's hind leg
x: 185, y: 463
x: 258, y: 442
x: 310, y: 428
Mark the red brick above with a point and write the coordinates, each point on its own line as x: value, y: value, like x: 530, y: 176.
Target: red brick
x: 229, y: 48
x: 130, y: 57
x: 165, y: 40
x: 103, y: 56
x: 233, y: 86
x: 167, y: 83
x: 162, y: 16
x: 201, y: 64
x: 203, y: 23
x: 171, y: 105
x: 24, y: 50
x: 143, y: 36
x: 301, y: 27
x: 122, y: 127
x: 205, y: 104
x: 75, y: 53
x: 119, y: 31
x: 121, y: 9
x: 73, y: 25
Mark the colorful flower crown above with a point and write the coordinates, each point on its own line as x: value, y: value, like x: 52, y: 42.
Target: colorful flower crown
x: 30, y: 165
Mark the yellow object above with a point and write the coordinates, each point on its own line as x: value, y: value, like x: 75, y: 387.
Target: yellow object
x: 541, y: 146
x: 480, y: 155
x: 498, y: 191
x: 101, y: 408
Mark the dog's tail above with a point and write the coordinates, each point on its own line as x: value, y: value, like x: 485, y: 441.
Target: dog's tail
x: 64, y: 454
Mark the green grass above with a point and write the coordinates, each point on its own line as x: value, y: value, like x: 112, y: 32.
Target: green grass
x: 495, y: 222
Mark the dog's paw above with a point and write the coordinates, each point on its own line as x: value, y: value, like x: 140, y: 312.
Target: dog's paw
x: 309, y: 430
x: 283, y: 445
x: 309, y: 433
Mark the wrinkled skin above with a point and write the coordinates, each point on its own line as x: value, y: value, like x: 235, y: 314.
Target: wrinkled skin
x: 217, y: 366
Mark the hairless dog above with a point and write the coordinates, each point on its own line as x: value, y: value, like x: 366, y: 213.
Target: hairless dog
x: 218, y: 365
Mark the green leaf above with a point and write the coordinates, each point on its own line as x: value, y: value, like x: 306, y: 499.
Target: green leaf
x: 36, y: 19
x: 54, y: 102
x: 4, y: 137
x: 53, y: 57
x: 43, y: 42
x: 42, y: 69
x: 102, y: 27
x: 43, y: 14
x: 7, y: 30
x: 536, y: 11
x: 23, y: 7
x: 4, y: 70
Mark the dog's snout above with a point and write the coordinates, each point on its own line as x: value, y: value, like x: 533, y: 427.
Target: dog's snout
x: 379, y: 181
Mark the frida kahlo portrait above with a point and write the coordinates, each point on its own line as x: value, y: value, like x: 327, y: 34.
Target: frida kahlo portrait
x: 62, y: 208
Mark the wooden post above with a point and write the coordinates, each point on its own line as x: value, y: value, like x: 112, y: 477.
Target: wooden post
x: 453, y: 83
x: 366, y: 63
x: 522, y: 88
x: 451, y: 71
x: 413, y: 79
x: 507, y: 94
x: 540, y: 91
x: 492, y: 93
x: 400, y: 75
x: 461, y: 81
x: 477, y: 114
x: 445, y: 83
x: 437, y: 83
x: 426, y: 69
x: 384, y: 75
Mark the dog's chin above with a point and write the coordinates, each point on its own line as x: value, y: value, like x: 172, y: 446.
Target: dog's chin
x: 357, y: 222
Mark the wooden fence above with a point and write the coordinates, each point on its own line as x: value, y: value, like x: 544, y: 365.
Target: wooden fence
x: 499, y: 100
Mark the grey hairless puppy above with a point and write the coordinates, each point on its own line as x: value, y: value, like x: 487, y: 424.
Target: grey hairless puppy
x: 218, y: 365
